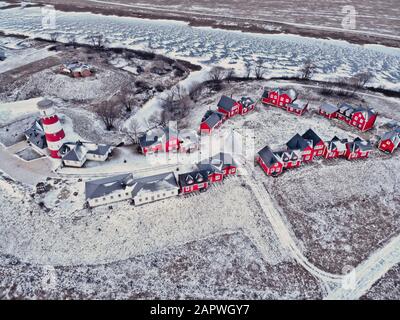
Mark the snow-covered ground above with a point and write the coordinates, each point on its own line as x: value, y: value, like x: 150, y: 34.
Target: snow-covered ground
x: 10, y: 112
x: 283, y: 53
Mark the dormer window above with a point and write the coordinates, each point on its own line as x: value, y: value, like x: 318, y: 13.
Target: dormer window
x: 189, y: 179
x: 199, y: 178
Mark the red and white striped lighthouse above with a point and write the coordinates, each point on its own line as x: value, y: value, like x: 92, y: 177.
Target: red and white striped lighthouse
x: 52, y: 127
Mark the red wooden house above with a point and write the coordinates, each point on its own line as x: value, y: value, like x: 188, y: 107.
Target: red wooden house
x: 298, y: 107
x: 246, y: 105
x: 358, y: 149
x: 278, y: 97
x: 335, y: 148
x: 317, y: 143
x: 214, y: 171
x: 390, y: 141
x: 359, y: 117
x: 268, y: 161
x: 193, y: 181
x: 228, y: 107
x: 158, y: 140
x: 305, y: 147
x: 328, y: 110
x: 228, y: 164
x: 289, y: 158
x: 211, y: 121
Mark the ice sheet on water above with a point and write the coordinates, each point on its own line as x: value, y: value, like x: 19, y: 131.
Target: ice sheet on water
x: 285, y: 53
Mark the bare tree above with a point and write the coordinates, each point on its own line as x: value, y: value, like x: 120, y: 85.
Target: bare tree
x: 307, y: 70
x: 97, y: 40
x: 259, y: 70
x: 217, y: 73
x: 108, y: 114
x: 230, y: 74
x: 248, y: 69
x: 176, y: 105
x: 54, y: 36
x: 126, y: 96
x: 71, y: 39
x: 360, y: 80
x: 133, y: 131
x: 195, y: 90
x: 154, y: 121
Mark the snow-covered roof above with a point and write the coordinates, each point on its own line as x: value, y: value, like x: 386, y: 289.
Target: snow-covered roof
x: 297, y: 143
x: 246, y: 101
x: 36, y: 135
x: 45, y: 104
x: 101, y: 187
x: 76, y: 151
x: 359, y: 144
x: 299, y: 104
x: 329, y: 108
x: 312, y: 136
x: 212, y: 118
x: 393, y: 136
x: 194, y: 177
x: 268, y: 156
x: 226, y: 103
x: 164, y: 182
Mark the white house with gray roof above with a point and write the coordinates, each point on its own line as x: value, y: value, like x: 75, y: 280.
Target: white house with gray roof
x: 75, y: 154
x: 108, y: 190
x: 153, y: 188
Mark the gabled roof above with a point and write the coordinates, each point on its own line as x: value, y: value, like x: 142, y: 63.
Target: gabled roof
x: 290, y: 92
x: 212, y: 118
x: 359, y: 144
x: 268, y: 156
x: 194, y: 177
x: 101, y: 187
x: 226, y: 103
x: 329, y: 108
x: 312, y: 136
x: 226, y: 159
x: 286, y: 156
x: 298, y: 143
x: 393, y: 136
x: 246, y: 101
x: 36, y: 136
x: 102, y: 149
x: 159, y: 182
x: 155, y: 136
x: 336, y: 143
x: 367, y: 112
x: 298, y: 104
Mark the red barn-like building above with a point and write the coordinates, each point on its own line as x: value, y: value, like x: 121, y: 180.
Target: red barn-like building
x: 390, y: 141
x: 158, y: 140
x: 358, y: 149
x: 211, y: 121
x: 271, y: 165
x: 299, y: 107
x: 335, y: 148
x: 305, y: 147
x: 278, y: 97
x: 228, y: 107
x: 246, y: 104
x: 193, y: 181
x: 359, y: 117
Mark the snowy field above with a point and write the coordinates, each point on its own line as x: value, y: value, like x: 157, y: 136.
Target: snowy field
x: 283, y: 53
x: 220, y: 267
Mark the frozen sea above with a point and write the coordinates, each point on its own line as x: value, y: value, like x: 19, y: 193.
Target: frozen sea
x: 283, y: 54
